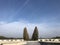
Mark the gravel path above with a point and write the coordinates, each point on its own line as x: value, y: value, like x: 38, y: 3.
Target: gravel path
x: 33, y: 43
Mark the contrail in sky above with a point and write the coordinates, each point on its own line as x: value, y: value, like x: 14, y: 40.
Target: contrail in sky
x: 26, y: 2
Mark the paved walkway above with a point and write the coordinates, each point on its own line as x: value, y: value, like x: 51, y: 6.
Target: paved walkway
x: 33, y: 43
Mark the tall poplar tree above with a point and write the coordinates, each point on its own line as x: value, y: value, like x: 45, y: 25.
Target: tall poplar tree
x: 25, y: 34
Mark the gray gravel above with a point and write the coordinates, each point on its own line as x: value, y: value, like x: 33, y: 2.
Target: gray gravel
x: 33, y: 43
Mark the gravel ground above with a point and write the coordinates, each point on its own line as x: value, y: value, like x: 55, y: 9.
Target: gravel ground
x: 33, y: 43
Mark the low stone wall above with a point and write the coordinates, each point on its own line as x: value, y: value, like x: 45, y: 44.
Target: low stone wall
x: 12, y: 42
x: 21, y: 41
x: 49, y: 40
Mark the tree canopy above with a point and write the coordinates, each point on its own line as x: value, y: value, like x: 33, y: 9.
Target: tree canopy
x: 25, y: 34
x: 35, y: 34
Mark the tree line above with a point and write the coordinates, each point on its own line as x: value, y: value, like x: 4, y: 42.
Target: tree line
x: 34, y: 35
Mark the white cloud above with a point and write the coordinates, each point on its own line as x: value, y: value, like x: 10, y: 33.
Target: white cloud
x: 15, y: 29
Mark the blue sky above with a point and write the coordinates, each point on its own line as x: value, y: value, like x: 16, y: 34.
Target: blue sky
x: 16, y: 14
